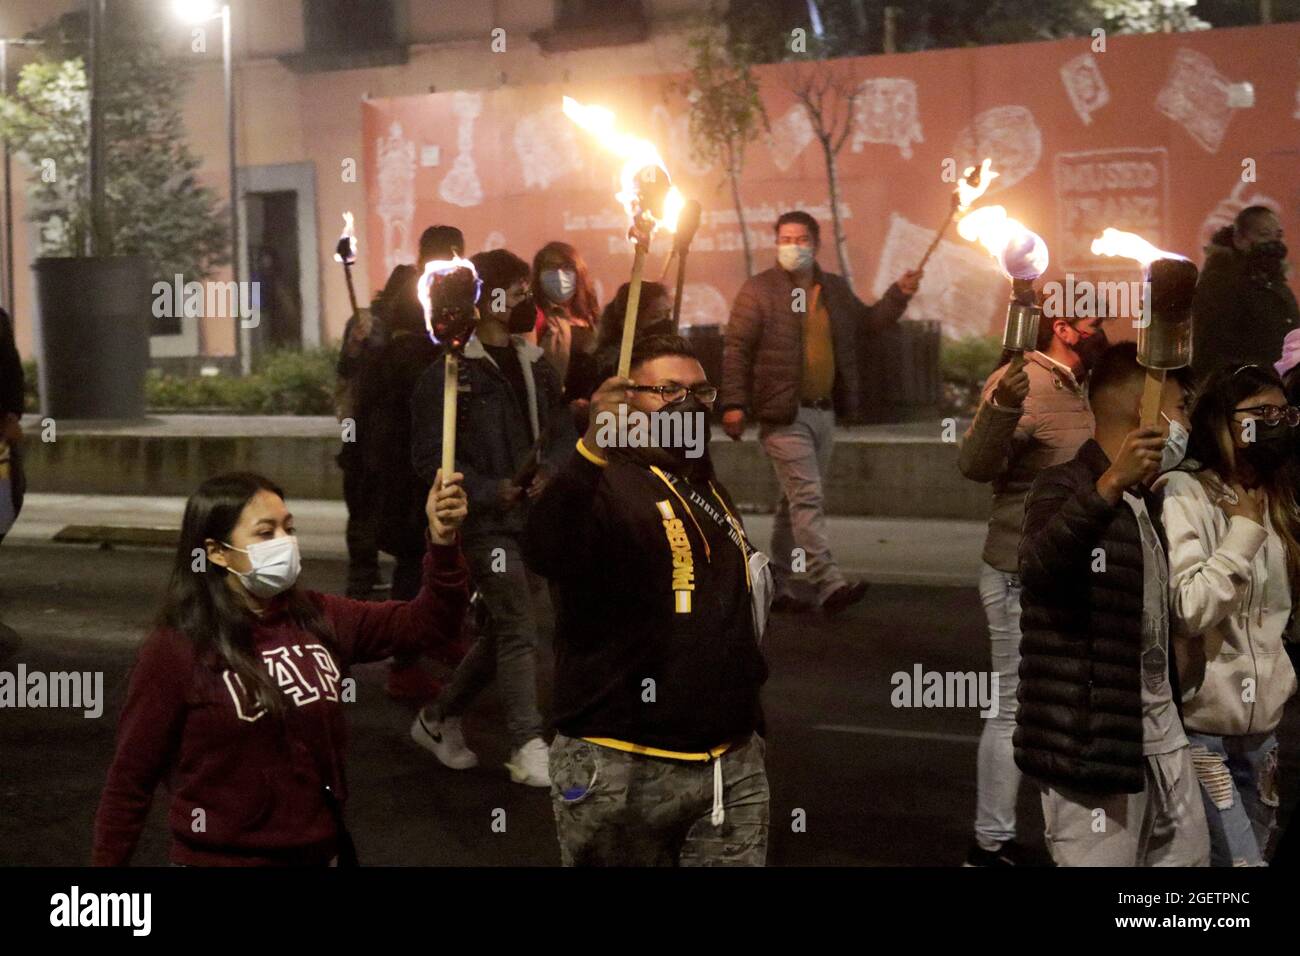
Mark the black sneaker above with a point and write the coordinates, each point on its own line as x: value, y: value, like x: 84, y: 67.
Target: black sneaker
x: 1010, y: 853
x: 845, y: 596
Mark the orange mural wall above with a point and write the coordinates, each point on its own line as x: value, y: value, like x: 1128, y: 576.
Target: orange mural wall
x: 1152, y: 135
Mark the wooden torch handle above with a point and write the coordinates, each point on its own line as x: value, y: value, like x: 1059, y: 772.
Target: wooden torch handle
x: 450, y: 390
x: 629, y: 317
x: 1151, y: 393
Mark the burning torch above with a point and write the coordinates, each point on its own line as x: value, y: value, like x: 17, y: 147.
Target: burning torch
x: 449, y: 291
x: 346, y: 253
x: 647, y: 194
x: 1022, y: 256
x: 1165, y: 329
x: 970, y: 187
x: 687, y: 224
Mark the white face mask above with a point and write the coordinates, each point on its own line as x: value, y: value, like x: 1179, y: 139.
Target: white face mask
x: 794, y: 258
x: 1175, y: 450
x: 559, y: 284
x: 276, y: 564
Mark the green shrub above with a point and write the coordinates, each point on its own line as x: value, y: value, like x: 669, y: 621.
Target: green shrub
x: 31, y: 387
x: 964, y: 364
x: 283, y: 383
x: 297, y: 383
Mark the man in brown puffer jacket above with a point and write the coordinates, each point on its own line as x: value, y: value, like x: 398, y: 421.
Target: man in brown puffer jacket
x: 790, y: 361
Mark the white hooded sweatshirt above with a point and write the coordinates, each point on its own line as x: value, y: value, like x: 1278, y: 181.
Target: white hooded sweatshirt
x: 1229, y: 586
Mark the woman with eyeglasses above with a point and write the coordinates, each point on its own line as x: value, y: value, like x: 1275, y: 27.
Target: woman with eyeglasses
x: 1230, y: 517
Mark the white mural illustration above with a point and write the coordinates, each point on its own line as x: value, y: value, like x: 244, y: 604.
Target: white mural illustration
x: 886, y: 112
x: 461, y: 186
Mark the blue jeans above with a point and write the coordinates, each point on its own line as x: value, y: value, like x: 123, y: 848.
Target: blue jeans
x: 1238, y: 778
x: 997, y: 778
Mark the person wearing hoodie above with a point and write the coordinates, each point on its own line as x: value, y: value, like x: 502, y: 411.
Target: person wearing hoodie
x: 658, y: 759
x: 513, y: 431
x: 237, y: 699
x: 1097, y: 725
x: 1233, y: 550
x: 1243, y: 307
x: 1034, y: 413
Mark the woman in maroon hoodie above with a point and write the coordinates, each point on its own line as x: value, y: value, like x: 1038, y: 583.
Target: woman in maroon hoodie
x: 237, y: 696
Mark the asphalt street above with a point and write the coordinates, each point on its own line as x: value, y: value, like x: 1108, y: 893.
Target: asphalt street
x: 874, y: 784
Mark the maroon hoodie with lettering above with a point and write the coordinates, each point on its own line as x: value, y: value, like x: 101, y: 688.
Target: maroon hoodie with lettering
x: 248, y: 788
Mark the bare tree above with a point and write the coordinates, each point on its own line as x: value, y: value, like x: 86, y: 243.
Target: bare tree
x: 726, y: 112
x: 828, y: 90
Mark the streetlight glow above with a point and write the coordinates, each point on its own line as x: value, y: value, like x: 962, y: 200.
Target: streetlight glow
x: 195, y: 11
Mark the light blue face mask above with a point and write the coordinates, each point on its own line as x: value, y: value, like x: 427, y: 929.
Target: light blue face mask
x: 1175, y: 450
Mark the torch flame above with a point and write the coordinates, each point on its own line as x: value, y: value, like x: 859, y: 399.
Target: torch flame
x: 638, y: 154
x: 1129, y: 245
x: 967, y: 193
x: 349, y: 235
x: 1020, y: 251
x: 433, y: 269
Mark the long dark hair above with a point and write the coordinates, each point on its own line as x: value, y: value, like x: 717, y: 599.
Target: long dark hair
x: 1212, y: 456
x: 200, y: 603
x: 615, y: 314
x: 583, y: 305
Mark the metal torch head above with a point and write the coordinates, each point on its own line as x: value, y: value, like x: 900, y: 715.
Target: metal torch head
x: 688, y: 222
x: 1165, y: 331
x: 451, y: 307
x: 346, y: 251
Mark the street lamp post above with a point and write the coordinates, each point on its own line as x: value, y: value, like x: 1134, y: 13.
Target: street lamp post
x: 201, y: 11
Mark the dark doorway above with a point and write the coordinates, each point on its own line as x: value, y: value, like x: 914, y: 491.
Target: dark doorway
x: 274, y: 266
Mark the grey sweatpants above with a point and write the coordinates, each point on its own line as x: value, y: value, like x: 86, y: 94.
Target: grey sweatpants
x: 1164, y: 825
x: 801, y: 456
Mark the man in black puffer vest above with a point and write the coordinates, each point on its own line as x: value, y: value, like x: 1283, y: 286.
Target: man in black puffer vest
x: 1098, y: 724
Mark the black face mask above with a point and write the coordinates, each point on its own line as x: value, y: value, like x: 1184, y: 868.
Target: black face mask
x: 1090, y: 349
x: 1272, y: 446
x: 522, y: 317
x: 1267, y: 257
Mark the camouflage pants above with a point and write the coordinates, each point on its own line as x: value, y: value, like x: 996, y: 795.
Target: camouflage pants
x: 620, y: 809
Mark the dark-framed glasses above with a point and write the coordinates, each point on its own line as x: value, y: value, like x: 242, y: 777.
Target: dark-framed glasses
x: 1273, y: 414
x: 676, y: 394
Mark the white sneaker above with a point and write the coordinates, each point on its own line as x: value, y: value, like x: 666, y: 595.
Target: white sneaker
x: 530, y: 764
x: 444, y: 739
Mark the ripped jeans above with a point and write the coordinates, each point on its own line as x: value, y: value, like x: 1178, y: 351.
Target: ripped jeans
x: 1238, y: 778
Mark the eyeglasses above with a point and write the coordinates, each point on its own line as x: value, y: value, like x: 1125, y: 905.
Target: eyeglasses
x: 676, y: 394
x: 1273, y: 414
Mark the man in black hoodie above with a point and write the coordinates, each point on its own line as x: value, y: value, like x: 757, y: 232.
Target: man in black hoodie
x: 1243, y: 307
x: 1098, y: 723
x: 658, y: 759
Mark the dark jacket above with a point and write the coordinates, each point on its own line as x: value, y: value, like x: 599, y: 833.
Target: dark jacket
x: 1079, y: 721
x: 384, y: 435
x: 495, y: 436
x: 762, y: 363
x: 12, y: 395
x: 1238, y: 318
x: 11, y: 370
x: 651, y: 588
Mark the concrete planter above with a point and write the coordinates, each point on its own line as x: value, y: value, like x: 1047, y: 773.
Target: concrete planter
x: 94, y: 321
